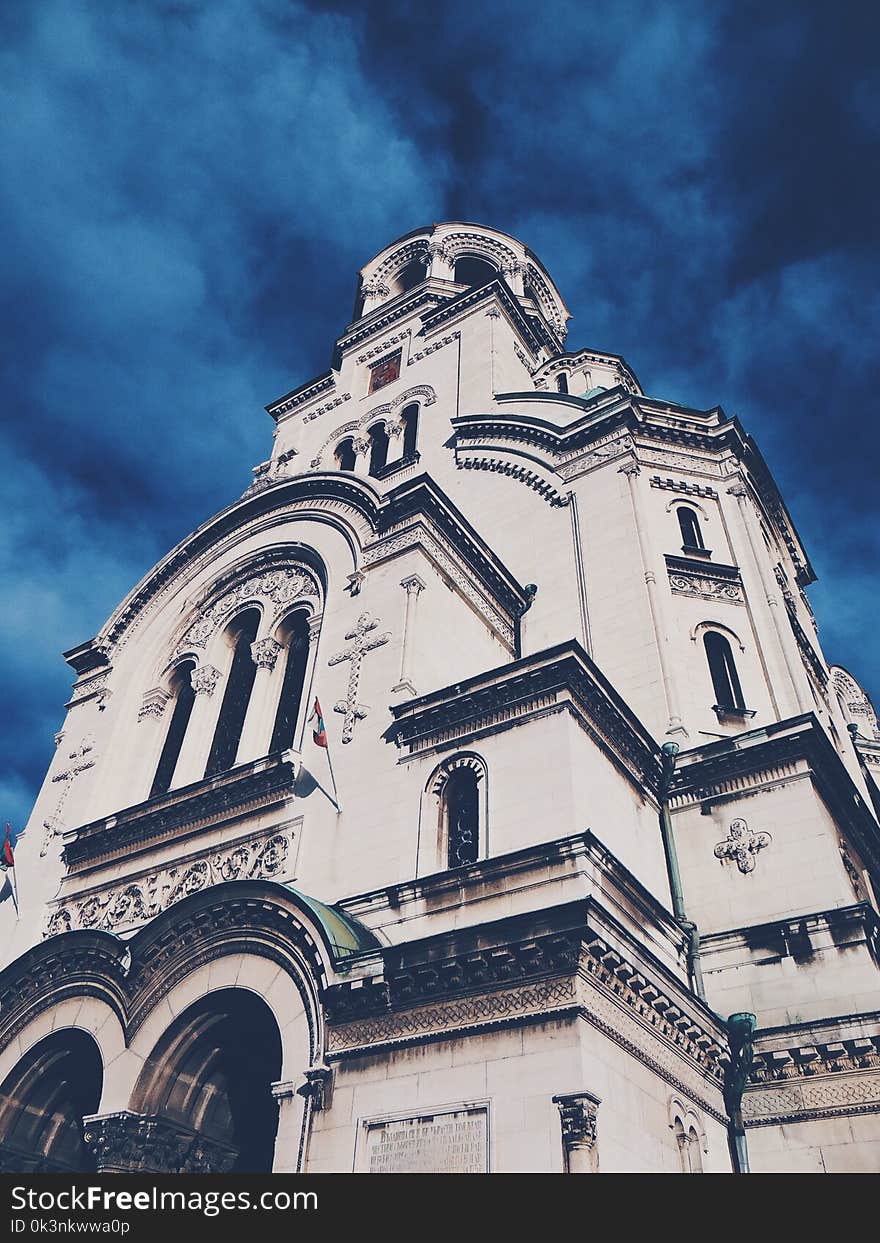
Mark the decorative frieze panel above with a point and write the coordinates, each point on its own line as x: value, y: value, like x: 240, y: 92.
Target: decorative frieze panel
x: 814, y: 1081
x: 433, y: 347
x: 681, y: 485
x: 138, y: 899
x: 706, y: 582
x: 92, y: 687
x: 126, y: 1142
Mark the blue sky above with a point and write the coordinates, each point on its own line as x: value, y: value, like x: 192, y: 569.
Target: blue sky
x: 187, y: 190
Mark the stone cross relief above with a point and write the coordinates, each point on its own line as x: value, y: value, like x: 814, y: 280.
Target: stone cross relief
x: 363, y: 641
x: 742, y: 845
x: 82, y: 759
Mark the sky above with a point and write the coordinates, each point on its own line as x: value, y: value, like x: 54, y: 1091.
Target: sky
x: 188, y: 189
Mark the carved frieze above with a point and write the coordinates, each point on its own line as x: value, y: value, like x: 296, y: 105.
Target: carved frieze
x: 707, y: 582
x: 279, y: 588
x: 138, y: 899
x: 126, y: 1142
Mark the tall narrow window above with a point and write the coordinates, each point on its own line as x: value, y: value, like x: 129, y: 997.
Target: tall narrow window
x: 378, y: 448
x: 410, y: 420
x: 296, y: 639
x: 239, y: 684
x: 562, y: 382
x: 725, y: 680
x: 461, y: 807
x: 691, y: 535
x: 345, y: 454
x: 184, y: 697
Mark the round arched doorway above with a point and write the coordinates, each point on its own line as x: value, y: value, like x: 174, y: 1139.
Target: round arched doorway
x: 43, y: 1102
x: 211, y: 1074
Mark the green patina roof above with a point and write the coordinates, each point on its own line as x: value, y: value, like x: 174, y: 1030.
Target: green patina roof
x: 345, y: 936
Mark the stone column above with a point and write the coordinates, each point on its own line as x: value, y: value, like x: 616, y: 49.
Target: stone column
x: 394, y: 428
x: 414, y: 586
x: 200, y: 730
x: 374, y: 294
x: 578, y: 1120
x: 799, y: 698
x: 362, y: 447
x: 655, y: 604
x: 256, y: 733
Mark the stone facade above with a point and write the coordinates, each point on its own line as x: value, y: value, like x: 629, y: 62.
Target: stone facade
x: 591, y: 789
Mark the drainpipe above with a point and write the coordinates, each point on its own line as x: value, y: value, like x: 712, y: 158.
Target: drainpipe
x: 529, y: 591
x: 740, y: 1030
x: 668, y: 752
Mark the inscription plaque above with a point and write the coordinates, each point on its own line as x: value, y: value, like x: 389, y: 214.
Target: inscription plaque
x: 454, y: 1141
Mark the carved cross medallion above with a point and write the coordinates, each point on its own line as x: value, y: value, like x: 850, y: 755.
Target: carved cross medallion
x: 361, y: 642
x: 742, y: 845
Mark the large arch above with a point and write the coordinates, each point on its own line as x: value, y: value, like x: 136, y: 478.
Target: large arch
x: 43, y: 1101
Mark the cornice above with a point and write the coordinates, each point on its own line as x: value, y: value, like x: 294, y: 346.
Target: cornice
x: 558, y: 677
x: 182, y: 812
x: 297, y: 397
x: 421, y: 497
x: 710, y: 775
x: 535, y: 333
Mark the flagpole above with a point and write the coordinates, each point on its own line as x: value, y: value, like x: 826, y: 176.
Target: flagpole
x: 332, y: 776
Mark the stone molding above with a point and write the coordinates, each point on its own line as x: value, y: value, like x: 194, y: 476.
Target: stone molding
x: 559, y: 678
x: 513, y: 470
x: 837, y: 1076
x: 299, y: 396
x: 137, y: 899
x: 276, y: 589
x: 191, y: 808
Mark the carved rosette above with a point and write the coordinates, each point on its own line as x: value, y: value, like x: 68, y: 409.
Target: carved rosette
x: 742, y: 846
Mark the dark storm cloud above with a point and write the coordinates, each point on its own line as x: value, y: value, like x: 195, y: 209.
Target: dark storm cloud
x: 188, y: 190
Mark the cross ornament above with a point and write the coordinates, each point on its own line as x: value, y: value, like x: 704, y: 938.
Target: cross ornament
x: 742, y: 845
x: 361, y: 642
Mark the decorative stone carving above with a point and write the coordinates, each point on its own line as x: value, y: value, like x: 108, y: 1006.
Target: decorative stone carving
x: 126, y: 1142
x: 578, y: 1120
x: 317, y: 1088
x: 204, y: 679
x: 276, y: 587
x: 153, y: 703
x: 330, y: 405
x: 82, y: 759
x: 742, y: 845
x: 264, y: 652
x: 142, y: 897
x: 362, y: 643
x: 714, y: 583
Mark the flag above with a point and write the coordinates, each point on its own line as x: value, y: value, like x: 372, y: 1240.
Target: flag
x: 7, y: 863
x: 319, y: 733
x: 7, y: 859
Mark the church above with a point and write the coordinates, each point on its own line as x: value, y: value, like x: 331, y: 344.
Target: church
x: 471, y: 794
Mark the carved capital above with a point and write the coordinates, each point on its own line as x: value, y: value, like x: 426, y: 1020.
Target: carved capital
x: 630, y: 468
x: 578, y: 1119
x: 317, y: 1087
x: 412, y: 584
x: 739, y: 490
x: 360, y: 445
x: 264, y: 652
x: 141, y: 1144
x: 204, y: 679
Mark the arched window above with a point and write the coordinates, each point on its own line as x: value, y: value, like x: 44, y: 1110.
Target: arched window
x: 295, y: 636
x: 461, y: 815
x: 345, y: 454
x: 722, y: 667
x: 474, y: 272
x: 688, y: 1140
x: 410, y: 420
x: 239, y: 684
x: 184, y: 698
x: 407, y: 279
x: 378, y: 448
x: 691, y: 535
x: 562, y: 382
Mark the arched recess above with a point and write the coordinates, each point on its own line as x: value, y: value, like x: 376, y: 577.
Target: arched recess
x: 43, y: 1101
x: 210, y: 1075
x: 455, y: 814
